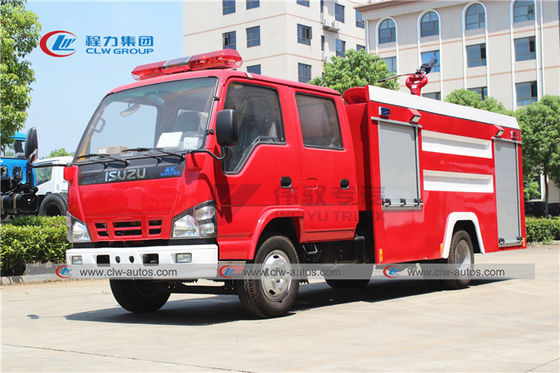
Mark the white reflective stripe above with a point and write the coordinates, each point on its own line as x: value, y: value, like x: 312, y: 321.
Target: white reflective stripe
x: 457, y: 182
x: 407, y: 100
x: 452, y: 144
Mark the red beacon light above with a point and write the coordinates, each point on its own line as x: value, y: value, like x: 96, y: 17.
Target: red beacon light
x: 223, y: 59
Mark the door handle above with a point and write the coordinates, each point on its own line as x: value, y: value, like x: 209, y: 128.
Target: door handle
x: 344, y: 183
x: 286, y: 182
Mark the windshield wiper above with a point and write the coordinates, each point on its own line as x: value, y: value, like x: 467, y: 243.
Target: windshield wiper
x: 104, y: 156
x: 140, y: 149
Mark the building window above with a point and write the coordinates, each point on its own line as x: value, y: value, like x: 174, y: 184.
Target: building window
x: 359, y: 20
x: 391, y: 63
x: 429, y: 25
x: 476, y: 55
x: 253, y: 4
x: 229, y: 40
x: 304, y: 72
x: 360, y: 47
x: 434, y: 95
x: 387, y: 31
x: 525, y: 49
x: 304, y: 34
x: 482, y: 91
x: 474, y: 17
x: 253, y: 36
x: 322, y: 42
x: 255, y: 69
x: 322, y: 5
x: 340, y: 48
x: 523, y: 11
x: 228, y: 6
x: 303, y: 2
x: 339, y: 12
x: 426, y: 56
x: 526, y: 93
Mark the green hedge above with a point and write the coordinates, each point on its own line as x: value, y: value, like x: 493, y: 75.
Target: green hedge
x: 541, y: 229
x: 32, y: 239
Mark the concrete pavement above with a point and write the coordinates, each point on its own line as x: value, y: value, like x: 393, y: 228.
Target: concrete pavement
x: 392, y: 325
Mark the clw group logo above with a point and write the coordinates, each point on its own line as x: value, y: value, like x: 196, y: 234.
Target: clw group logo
x: 58, y: 43
x: 62, y: 43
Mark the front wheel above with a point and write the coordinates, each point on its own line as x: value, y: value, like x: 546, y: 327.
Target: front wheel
x: 271, y: 295
x: 139, y: 295
x: 53, y: 205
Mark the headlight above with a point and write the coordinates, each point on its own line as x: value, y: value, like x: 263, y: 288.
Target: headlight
x: 196, y: 222
x: 77, y: 230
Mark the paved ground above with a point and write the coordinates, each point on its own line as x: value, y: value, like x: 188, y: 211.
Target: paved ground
x: 393, y: 325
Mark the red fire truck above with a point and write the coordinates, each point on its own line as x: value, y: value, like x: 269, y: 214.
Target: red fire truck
x: 199, y: 163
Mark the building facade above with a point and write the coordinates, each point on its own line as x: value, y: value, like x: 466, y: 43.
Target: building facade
x: 508, y: 49
x: 288, y: 39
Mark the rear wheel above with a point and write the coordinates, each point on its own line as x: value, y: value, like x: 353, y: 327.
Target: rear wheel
x: 272, y: 295
x: 461, y: 258
x: 139, y: 295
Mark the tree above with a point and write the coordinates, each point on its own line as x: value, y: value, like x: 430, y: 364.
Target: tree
x: 19, y: 34
x: 540, y: 133
x: 355, y: 69
x: 469, y: 98
x: 59, y: 153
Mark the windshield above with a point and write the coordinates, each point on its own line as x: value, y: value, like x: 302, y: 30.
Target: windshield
x: 16, y: 150
x: 172, y: 116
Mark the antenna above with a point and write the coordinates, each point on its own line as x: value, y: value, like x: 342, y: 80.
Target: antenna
x: 416, y: 81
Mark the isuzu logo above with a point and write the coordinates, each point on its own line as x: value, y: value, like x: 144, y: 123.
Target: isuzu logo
x: 125, y: 175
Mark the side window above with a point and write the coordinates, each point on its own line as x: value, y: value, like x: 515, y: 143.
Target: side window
x: 259, y: 119
x: 399, y: 165
x: 319, y: 122
x: 43, y: 175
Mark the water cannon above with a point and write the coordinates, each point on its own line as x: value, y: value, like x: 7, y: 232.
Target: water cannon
x: 417, y: 80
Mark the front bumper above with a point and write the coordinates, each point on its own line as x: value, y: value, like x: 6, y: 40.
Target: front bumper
x: 203, y: 263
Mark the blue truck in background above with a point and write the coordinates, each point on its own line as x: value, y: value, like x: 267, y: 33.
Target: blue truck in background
x: 17, y: 176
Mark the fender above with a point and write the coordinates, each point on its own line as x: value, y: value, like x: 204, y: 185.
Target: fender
x: 267, y: 216
x: 452, y: 219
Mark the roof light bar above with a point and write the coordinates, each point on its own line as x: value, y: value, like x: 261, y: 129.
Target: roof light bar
x: 223, y: 59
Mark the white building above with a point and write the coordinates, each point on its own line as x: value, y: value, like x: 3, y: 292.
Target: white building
x: 289, y: 39
x: 507, y: 49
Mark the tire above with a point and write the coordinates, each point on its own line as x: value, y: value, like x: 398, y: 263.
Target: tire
x: 139, y: 295
x: 264, y: 297
x: 53, y: 205
x: 347, y: 284
x: 461, y: 256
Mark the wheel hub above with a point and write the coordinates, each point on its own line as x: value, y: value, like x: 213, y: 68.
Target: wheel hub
x: 462, y: 256
x: 276, y: 279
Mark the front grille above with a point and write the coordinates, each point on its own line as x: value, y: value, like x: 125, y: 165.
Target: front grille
x: 139, y: 228
x: 127, y: 228
x: 154, y: 227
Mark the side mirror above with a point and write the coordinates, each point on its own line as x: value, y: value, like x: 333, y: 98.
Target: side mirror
x: 31, y: 143
x: 226, y: 128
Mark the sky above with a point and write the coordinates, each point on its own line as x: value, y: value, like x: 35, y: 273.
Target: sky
x: 68, y: 89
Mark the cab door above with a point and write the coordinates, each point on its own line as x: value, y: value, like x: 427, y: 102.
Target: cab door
x: 328, y: 193
x: 261, y: 173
